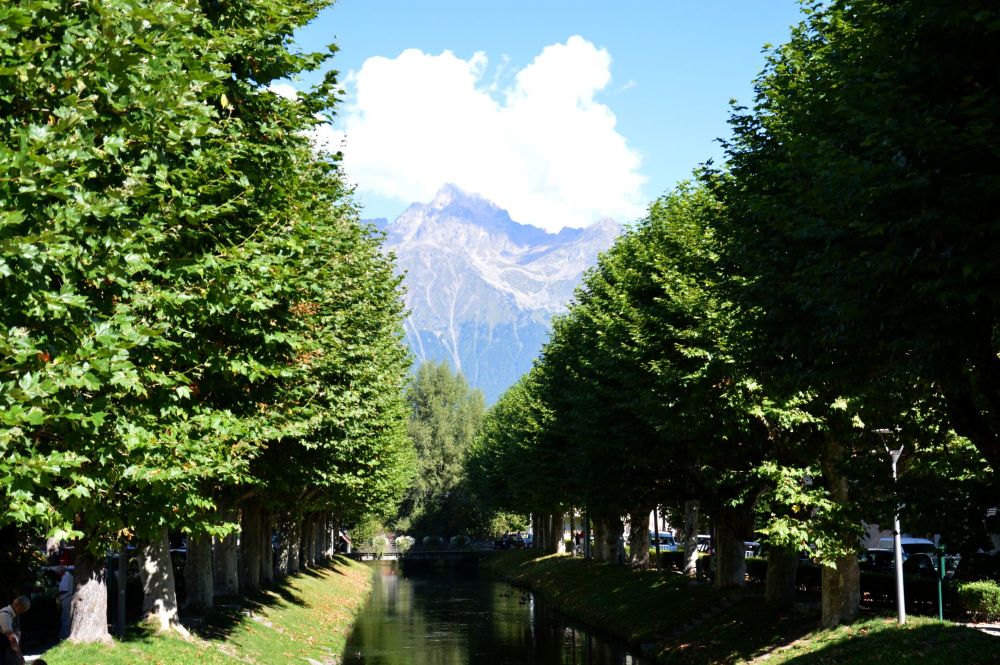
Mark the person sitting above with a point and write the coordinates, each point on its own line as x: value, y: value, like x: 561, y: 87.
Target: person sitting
x: 10, y: 631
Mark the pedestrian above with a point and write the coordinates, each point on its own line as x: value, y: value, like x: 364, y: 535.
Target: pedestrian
x: 10, y: 631
x: 65, y: 598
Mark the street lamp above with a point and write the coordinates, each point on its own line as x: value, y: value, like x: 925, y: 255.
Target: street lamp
x: 896, y: 531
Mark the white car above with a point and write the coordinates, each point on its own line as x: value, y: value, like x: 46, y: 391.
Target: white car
x: 910, y: 545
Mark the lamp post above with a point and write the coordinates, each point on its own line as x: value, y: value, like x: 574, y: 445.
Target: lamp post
x: 896, y: 531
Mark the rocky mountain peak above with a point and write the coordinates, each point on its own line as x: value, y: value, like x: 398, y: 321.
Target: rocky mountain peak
x: 482, y: 288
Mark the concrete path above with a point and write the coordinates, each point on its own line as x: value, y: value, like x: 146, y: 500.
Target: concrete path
x: 988, y: 628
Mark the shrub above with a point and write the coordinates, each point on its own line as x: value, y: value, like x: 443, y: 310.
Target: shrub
x: 459, y: 541
x: 405, y: 543
x: 432, y: 542
x: 981, y: 600
x: 380, y: 544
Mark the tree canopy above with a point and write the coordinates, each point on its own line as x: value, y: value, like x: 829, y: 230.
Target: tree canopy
x: 192, y: 310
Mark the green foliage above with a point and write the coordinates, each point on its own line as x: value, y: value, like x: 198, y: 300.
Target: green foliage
x: 192, y: 311
x: 366, y: 529
x: 103, y: 253
x: 502, y: 522
x: 804, y: 517
x: 505, y: 465
x: 948, y: 488
x: 862, y: 188
x: 638, y: 397
x: 380, y: 544
x: 980, y: 599
x: 445, y: 415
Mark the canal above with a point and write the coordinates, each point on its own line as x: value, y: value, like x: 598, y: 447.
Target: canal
x: 450, y: 616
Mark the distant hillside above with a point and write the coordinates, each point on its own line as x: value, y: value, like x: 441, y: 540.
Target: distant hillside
x: 481, y: 288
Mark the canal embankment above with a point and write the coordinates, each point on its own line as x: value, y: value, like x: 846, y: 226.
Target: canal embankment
x: 676, y: 621
x: 305, y: 619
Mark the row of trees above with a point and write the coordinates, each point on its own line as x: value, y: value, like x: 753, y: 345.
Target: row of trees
x: 741, y: 342
x: 197, y: 333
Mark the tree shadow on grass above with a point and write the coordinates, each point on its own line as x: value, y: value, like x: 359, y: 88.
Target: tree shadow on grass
x: 881, y: 641
x: 745, y: 631
x: 218, y: 622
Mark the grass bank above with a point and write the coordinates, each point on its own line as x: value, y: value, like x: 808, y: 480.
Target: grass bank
x: 680, y: 622
x: 308, y: 617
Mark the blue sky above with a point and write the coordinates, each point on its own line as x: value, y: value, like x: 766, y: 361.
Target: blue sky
x: 561, y: 112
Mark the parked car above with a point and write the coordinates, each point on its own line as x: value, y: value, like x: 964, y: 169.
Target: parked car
x: 978, y: 566
x: 877, y: 560
x: 910, y: 545
x: 921, y: 564
x: 751, y: 549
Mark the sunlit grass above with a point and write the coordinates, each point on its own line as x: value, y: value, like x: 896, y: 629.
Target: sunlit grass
x: 309, y: 616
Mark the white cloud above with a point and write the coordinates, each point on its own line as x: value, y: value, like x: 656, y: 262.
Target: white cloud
x: 542, y: 147
x: 284, y: 90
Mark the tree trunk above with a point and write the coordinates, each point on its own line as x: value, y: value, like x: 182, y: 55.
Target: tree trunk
x: 600, y: 548
x: 198, y: 571
x: 333, y: 532
x: 334, y: 526
x: 309, y: 542
x: 250, y: 548
x: 656, y: 537
x: 611, y: 549
x: 90, y: 600
x: 616, y: 542
x: 588, y: 551
x: 321, y: 534
x: 572, y: 528
x: 227, y: 573
x: 317, y: 537
x: 779, y: 587
x: 638, y: 537
x: 266, y: 552
x: 294, y: 544
x: 733, y: 526
x: 841, y: 589
x: 556, y: 541
x: 284, y: 547
x: 304, y: 543
x: 841, y: 583
x: 159, y: 596
x: 691, y: 510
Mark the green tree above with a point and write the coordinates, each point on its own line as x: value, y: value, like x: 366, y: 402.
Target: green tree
x: 863, y: 187
x: 187, y: 290
x: 859, y: 221
x: 104, y: 146
x: 445, y: 415
x: 517, y: 464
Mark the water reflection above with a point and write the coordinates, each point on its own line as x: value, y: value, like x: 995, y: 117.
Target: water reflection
x: 452, y: 616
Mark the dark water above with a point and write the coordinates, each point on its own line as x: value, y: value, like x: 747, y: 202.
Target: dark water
x: 428, y: 616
